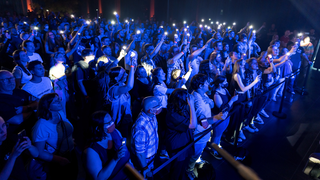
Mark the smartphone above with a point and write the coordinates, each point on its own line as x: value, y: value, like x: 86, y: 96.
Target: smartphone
x: 123, y: 141
x: 21, y: 135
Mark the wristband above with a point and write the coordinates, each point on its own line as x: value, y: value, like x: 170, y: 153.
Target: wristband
x: 182, y: 52
x: 188, y: 42
x: 132, y: 66
x: 145, y: 168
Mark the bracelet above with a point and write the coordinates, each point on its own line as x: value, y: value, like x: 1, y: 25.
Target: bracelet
x: 188, y: 42
x: 132, y: 66
x: 182, y: 52
x: 145, y: 168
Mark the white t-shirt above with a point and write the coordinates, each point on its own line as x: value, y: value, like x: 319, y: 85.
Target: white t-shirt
x: 35, y: 57
x: 46, y: 131
x: 39, y: 89
x: 160, y: 92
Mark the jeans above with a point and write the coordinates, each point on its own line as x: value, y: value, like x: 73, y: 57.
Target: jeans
x: 218, y: 130
x: 198, y: 148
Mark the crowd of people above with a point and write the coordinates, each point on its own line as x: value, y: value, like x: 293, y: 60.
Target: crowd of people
x: 135, y: 90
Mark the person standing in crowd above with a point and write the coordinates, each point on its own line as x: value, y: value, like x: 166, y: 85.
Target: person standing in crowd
x: 145, y: 139
x: 30, y: 50
x: 180, y: 121
x: 52, y: 135
x: 11, y: 149
x: 203, y: 106
x: 38, y: 85
x: 120, y: 99
x: 106, y: 155
x: 21, y: 74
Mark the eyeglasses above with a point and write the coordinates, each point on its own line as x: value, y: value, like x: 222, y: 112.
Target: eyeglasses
x: 109, y: 124
x: 7, y: 79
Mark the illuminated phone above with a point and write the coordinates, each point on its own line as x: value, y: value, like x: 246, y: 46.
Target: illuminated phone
x: 21, y: 135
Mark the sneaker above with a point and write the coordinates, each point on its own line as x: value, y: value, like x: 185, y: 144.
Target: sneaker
x: 248, y: 128
x: 264, y: 114
x: 191, y: 175
x: 230, y: 141
x: 201, y: 161
x: 258, y: 120
x: 216, y: 155
x: 164, y: 155
x: 252, y: 126
x: 242, y: 136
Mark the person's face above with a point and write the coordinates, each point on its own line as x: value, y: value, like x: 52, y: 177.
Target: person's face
x: 287, y: 33
x: 30, y: 47
x: 61, y: 58
x: 61, y: 50
x: 277, y: 44
x: 106, y: 42
x: 163, y: 49
x: 218, y: 58
x: 56, y: 104
x: 235, y: 55
x: 307, y: 40
x: 86, y: 33
x: 232, y: 34
x: 38, y: 70
x: 245, y: 40
x: 200, y: 43
x: 162, y: 75
x: 275, y: 51
x: 149, y: 50
x: 101, y: 31
x: 142, y: 73
x: 25, y: 36
x: 51, y: 35
x: 3, y: 130
x: 254, y: 65
x: 107, y: 51
x: 205, y: 86
x: 219, y: 46
x: 121, y: 33
x: 23, y: 57
x: 193, y: 49
x: 175, y: 51
x: 108, y: 122
x: 224, y: 84
x: 285, y: 51
x: 7, y: 82
x: 242, y: 64
x: 226, y: 47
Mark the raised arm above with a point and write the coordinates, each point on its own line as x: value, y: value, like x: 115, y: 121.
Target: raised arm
x: 157, y: 48
x: 193, y: 115
x: 178, y: 56
x: 246, y: 88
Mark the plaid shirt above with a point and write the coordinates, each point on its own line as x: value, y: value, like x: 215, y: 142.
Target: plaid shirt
x: 145, y: 137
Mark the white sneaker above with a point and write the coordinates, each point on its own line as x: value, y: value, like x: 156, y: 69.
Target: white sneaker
x: 241, y: 135
x: 263, y: 113
x: 248, y: 128
x: 258, y: 120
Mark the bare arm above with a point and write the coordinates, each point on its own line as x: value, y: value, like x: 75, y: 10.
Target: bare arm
x: 242, y: 87
x: 157, y: 48
x: 130, y: 82
x: 95, y: 167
